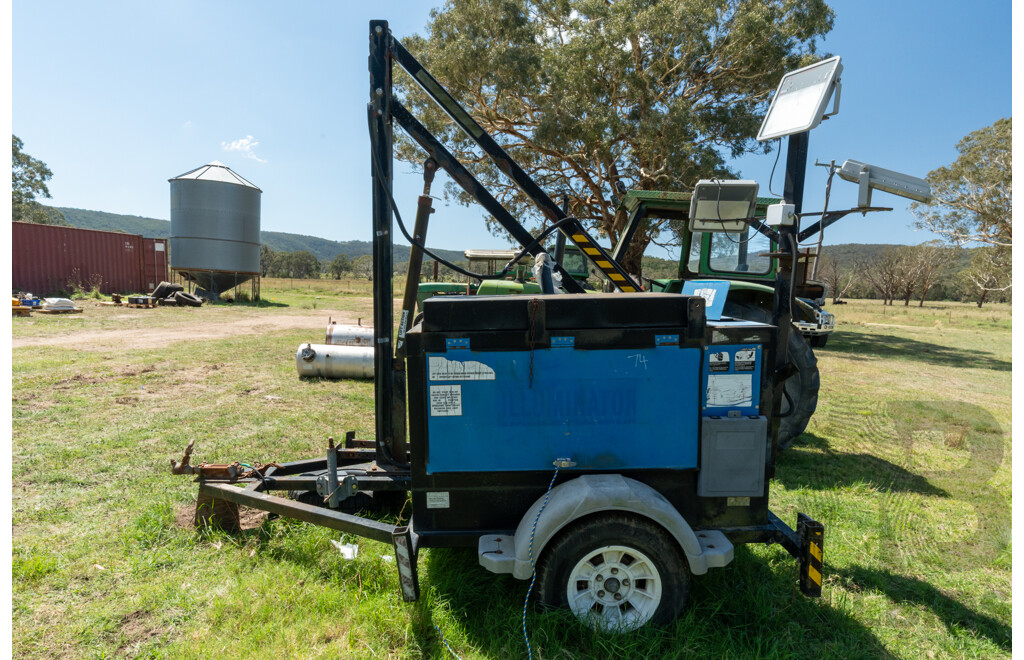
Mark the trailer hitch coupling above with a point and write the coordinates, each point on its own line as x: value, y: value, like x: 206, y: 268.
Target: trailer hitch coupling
x: 229, y: 471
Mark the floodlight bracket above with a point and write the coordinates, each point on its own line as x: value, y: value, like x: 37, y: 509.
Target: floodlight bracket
x: 864, y: 196
x: 837, y: 91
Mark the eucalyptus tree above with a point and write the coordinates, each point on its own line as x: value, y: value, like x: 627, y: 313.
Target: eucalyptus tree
x: 593, y: 96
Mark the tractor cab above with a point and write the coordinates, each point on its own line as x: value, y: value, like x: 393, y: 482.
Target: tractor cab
x: 744, y: 259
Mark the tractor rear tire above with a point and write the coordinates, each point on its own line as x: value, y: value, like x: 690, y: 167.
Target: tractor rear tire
x: 802, y: 387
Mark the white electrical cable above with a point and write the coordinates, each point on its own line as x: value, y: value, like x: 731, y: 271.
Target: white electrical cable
x: 533, y: 577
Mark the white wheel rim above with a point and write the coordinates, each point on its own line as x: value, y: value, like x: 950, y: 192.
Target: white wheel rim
x: 614, y: 588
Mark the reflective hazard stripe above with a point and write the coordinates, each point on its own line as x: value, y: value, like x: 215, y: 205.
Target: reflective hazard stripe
x: 612, y: 270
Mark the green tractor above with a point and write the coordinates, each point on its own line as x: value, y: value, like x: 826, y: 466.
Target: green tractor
x: 744, y: 261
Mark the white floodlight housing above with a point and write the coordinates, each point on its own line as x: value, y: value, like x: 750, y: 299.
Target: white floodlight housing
x: 799, y: 102
x: 718, y: 206
x: 876, y: 178
x: 781, y: 215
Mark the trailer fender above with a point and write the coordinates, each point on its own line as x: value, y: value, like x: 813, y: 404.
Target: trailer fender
x: 596, y: 493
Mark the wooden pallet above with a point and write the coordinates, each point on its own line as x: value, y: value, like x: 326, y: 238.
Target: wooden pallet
x: 21, y: 311
x: 77, y: 310
x: 142, y: 305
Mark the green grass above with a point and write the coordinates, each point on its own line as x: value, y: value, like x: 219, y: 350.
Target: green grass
x: 907, y: 462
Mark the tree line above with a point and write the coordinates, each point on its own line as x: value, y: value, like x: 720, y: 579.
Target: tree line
x: 302, y: 264
x: 917, y: 273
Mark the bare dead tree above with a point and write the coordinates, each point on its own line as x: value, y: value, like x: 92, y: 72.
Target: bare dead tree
x: 933, y: 264
x: 908, y: 268
x: 837, y: 279
x: 884, y: 274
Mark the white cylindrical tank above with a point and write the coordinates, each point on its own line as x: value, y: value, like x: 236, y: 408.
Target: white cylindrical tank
x: 324, y: 361
x: 349, y: 335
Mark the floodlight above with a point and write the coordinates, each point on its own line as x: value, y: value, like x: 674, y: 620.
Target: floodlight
x: 875, y: 178
x: 718, y: 206
x: 799, y: 102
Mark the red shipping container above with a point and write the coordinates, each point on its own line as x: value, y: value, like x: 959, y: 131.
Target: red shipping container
x: 47, y: 257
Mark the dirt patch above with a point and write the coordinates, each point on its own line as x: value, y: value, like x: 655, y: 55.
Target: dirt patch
x: 76, y: 380
x: 159, y: 337
x: 251, y: 518
x: 137, y: 629
x: 896, y: 325
x: 185, y: 517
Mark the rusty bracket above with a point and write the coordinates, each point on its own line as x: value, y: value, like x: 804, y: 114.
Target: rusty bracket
x: 230, y: 471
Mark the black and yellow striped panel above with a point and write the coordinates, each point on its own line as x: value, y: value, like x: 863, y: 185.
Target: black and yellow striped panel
x: 812, y: 565
x: 609, y: 268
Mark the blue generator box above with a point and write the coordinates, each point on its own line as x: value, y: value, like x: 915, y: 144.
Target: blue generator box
x: 501, y: 386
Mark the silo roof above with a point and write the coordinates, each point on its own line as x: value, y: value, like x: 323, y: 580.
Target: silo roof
x: 215, y: 171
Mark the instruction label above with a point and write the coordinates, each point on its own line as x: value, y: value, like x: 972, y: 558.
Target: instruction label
x: 437, y: 499
x: 441, y: 368
x: 730, y: 391
x: 446, y: 400
x: 718, y: 362
x: 745, y: 359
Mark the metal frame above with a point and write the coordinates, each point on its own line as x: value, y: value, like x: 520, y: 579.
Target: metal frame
x: 380, y: 466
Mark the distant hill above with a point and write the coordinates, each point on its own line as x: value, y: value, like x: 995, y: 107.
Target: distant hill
x: 323, y: 249
x: 129, y: 224
x: 851, y: 253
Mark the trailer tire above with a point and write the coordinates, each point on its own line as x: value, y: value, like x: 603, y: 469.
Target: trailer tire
x: 644, y: 579
x: 802, y: 388
x: 819, y: 341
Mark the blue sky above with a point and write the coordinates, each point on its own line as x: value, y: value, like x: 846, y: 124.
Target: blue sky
x: 118, y: 97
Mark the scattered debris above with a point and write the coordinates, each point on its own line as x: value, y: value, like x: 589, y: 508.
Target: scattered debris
x: 58, y: 306
x: 347, y: 550
x: 174, y: 295
x: 141, y: 302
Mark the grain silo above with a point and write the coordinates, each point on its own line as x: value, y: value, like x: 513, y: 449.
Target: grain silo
x: 215, y: 229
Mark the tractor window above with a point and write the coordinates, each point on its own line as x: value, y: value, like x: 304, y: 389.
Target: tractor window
x: 740, y: 253
x: 693, y: 262
x: 575, y: 264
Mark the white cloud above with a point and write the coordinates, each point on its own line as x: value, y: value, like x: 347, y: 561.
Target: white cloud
x: 187, y: 125
x: 246, y: 146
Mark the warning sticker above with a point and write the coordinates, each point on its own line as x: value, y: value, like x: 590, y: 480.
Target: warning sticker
x: 730, y: 391
x: 446, y: 400
x: 437, y: 500
x: 719, y: 361
x: 745, y: 359
x: 444, y: 369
